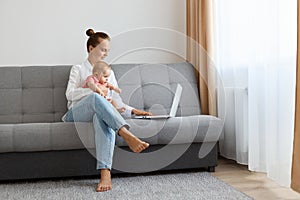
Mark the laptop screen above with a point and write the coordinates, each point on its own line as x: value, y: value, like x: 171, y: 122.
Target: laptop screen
x: 176, y: 100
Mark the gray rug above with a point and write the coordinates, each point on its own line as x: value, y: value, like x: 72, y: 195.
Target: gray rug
x: 194, y: 185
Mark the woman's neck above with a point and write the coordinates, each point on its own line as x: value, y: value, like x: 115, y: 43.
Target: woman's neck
x: 92, y: 60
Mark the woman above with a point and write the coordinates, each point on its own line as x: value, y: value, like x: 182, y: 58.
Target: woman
x: 87, y: 106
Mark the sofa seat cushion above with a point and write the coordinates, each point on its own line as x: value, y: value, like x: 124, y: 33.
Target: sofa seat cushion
x: 39, y: 137
x: 67, y: 136
x: 177, y: 130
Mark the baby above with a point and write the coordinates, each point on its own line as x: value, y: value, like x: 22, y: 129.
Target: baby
x: 98, y: 82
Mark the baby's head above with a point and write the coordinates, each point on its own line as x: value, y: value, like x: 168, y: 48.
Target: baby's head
x: 101, y: 71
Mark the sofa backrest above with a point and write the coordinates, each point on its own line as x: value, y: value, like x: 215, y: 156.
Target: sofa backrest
x: 33, y: 93
x: 37, y: 93
x: 152, y: 86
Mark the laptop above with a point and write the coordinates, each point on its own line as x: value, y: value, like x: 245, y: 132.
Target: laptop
x: 173, y: 110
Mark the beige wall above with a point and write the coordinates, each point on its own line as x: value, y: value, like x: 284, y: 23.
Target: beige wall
x: 37, y: 32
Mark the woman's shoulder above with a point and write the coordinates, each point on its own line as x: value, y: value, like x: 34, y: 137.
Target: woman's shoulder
x: 77, y: 66
x: 84, y: 67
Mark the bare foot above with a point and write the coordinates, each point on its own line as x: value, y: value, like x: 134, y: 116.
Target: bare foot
x: 105, y: 181
x: 120, y: 110
x: 134, y: 143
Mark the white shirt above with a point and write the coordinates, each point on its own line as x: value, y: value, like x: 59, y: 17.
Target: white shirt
x: 75, y: 92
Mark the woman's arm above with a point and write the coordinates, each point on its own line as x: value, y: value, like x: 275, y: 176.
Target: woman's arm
x: 95, y: 88
x: 116, y: 97
x: 140, y: 112
x: 118, y: 100
x: 74, y: 92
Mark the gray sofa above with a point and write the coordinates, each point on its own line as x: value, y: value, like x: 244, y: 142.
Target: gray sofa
x: 35, y: 143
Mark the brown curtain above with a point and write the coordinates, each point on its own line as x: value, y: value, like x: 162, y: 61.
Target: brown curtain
x: 200, y: 50
x: 296, y: 152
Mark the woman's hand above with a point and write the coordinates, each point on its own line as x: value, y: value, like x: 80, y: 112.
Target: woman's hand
x: 140, y: 112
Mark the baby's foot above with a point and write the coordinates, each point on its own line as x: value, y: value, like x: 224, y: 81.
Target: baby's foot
x: 121, y: 110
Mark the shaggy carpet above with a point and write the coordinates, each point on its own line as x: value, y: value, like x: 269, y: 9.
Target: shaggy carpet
x: 187, y: 185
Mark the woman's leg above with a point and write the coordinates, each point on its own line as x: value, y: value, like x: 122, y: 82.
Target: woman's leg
x: 107, y: 113
x: 105, y: 142
x: 105, y: 181
x: 84, y: 111
x: 107, y: 121
x: 134, y: 143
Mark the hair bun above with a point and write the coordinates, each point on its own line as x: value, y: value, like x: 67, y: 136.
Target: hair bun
x: 90, y: 32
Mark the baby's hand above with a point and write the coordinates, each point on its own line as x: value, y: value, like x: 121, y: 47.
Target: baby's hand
x: 101, y: 93
x: 117, y: 90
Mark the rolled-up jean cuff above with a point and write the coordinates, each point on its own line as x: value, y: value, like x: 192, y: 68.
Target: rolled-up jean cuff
x: 101, y: 166
x: 127, y: 126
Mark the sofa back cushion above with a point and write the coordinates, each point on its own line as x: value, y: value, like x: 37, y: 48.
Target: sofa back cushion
x: 152, y: 87
x: 37, y: 93
x: 33, y: 93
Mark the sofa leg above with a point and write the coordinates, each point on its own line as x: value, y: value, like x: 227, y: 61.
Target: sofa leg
x: 211, y: 169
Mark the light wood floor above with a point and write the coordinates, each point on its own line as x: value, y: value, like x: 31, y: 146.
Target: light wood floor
x: 255, y: 185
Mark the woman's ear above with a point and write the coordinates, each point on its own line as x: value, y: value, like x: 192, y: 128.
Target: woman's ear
x: 91, y: 48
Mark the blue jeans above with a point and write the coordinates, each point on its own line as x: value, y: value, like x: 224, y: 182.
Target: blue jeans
x: 106, y: 120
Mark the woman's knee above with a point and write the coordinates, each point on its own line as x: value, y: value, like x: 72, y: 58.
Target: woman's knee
x: 94, y: 95
x: 101, y: 101
x: 98, y: 98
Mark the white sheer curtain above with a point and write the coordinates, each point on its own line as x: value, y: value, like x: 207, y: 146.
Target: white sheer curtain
x: 256, y: 58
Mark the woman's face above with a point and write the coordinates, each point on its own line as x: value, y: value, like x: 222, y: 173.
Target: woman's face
x: 100, y: 51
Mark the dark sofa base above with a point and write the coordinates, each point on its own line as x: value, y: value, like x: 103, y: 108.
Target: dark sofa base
x: 77, y: 163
